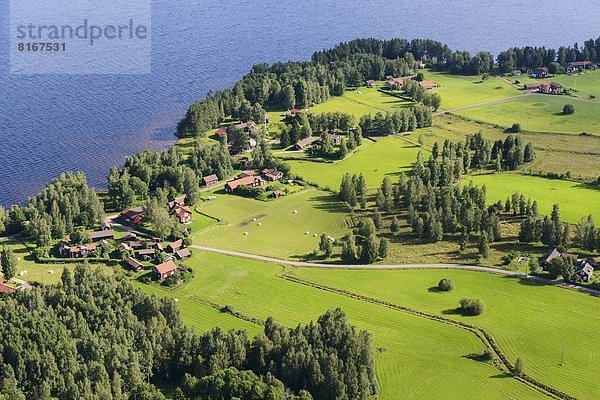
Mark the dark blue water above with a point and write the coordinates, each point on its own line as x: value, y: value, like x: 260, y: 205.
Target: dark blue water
x: 54, y: 123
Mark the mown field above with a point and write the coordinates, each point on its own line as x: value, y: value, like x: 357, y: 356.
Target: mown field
x: 387, y: 157
x: 281, y: 232
x: 460, y: 91
x: 536, y: 322
x: 540, y: 113
x: 360, y: 102
x: 405, y: 345
x: 576, y: 200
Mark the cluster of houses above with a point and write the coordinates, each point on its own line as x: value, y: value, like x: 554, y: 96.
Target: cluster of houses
x: 585, y: 268
x: 98, y: 238
x: 397, y: 83
x: 252, y: 178
x: 177, y: 207
x: 148, y: 250
x: 543, y: 72
x: 544, y: 87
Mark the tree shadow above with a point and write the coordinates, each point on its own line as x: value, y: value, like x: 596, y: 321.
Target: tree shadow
x: 452, y: 311
x: 434, y: 289
x: 501, y: 375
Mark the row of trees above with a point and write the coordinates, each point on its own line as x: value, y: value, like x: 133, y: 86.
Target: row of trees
x: 534, y: 57
x: 95, y: 336
x: 398, y: 121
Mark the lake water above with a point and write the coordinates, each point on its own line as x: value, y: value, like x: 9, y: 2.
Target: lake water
x: 54, y: 123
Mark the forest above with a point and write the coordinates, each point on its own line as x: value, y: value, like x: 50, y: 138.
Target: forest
x: 96, y: 336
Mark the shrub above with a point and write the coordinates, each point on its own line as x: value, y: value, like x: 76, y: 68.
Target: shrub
x: 518, y: 368
x: 472, y: 307
x: 446, y: 285
x: 515, y: 128
x: 568, y: 109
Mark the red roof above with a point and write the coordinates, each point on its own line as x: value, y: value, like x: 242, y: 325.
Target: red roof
x: 6, y: 289
x: 221, y: 132
x: 166, y: 267
x: 210, y: 178
x: 245, y: 181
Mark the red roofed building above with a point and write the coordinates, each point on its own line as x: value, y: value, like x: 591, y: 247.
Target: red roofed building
x: 132, y: 216
x: 250, y: 181
x: 428, y: 85
x: 221, y: 132
x: 165, y: 270
x: 397, y: 83
x: 5, y: 288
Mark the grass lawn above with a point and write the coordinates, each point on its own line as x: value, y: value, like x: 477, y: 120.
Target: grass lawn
x: 576, y: 200
x: 281, y: 232
x: 459, y: 91
x: 530, y: 320
x: 387, y: 157
x: 405, y: 345
x: 360, y: 102
x: 540, y: 113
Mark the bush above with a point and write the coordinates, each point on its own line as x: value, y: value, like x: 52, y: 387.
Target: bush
x: 515, y: 128
x: 446, y: 285
x: 568, y: 109
x: 472, y: 307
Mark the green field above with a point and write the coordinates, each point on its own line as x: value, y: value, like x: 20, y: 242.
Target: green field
x: 540, y: 113
x: 416, y: 358
x: 282, y: 232
x: 460, y: 91
x: 361, y: 102
x: 576, y: 200
x: 533, y: 321
x: 387, y: 157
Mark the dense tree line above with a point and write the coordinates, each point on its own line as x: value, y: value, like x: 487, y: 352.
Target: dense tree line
x: 150, y: 170
x: 398, y: 121
x: 64, y: 204
x: 535, y: 57
x: 422, y: 95
x: 95, y: 336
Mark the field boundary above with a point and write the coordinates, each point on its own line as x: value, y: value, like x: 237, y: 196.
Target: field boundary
x: 501, y: 361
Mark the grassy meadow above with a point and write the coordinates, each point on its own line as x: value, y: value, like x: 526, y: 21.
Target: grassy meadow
x: 576, y: 199
x: 460, y: 91
x: 405, y: 345
x: 360, y: 102
x: 534, y: 321
x: 386, y: 157
x: 540, y: 113
x: 278, y: 230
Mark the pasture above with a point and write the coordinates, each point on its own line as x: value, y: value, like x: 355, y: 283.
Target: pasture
x: 534, y: 321
x: 540, y: 113
x: 360, y: 102
x: 387, y: 157
x: 275, y: 228
x: 460, y: 91
x: 404, y: 345
x: 576, y: 200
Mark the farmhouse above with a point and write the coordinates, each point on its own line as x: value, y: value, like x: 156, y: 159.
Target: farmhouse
x: 134, y: 264
x: 397, y: 83
x: 304, y: 143
x: 183, y: 253
x: 83, y: 251
x: 272, y: 174
x: 550, y: 88
x: 335, y: 139
x: 370, y: 83
x: 210, y: 180
x: 100, y: 235
x: 546, y: 259
x: 579, y: 65
x: 293, y: 112
x: 540, y: 72
x: 247, y: 126
x: 132, y: 216
x: 428, y: 85
x: 585, y: 270
x: 249, y: 181
x: 175, y: 246
x: 128, y: 235
x: 181, y: 211
x: 5, y: 288
x: 165, y: 270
